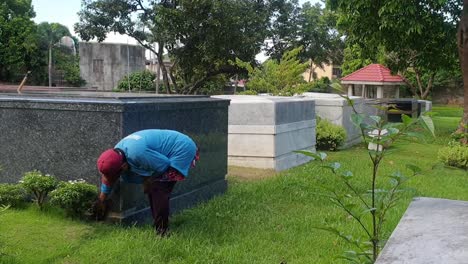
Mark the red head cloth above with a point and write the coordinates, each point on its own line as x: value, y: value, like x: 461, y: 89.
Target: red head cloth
x: 110, y: 164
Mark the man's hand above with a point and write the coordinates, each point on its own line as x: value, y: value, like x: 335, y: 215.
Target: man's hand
x: 100, y: 208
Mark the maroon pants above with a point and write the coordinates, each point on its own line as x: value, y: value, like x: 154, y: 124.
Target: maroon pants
x: 159, y: 194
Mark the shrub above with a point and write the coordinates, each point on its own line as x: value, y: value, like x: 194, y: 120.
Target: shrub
x: 455, y: 155
x: 329, y: 136
x: 142, y: 80
x: 247, y: 92
x: 75, y: 197
x: 11, y: 195
x: 321, y: 85
x: 39, y: 185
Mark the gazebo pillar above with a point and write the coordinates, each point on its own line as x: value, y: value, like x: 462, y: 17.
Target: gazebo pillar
x: 350, y: 90
x: 379, y: 92
x: 397, y: 91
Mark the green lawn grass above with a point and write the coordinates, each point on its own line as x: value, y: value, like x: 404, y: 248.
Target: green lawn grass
x: 266, y: 220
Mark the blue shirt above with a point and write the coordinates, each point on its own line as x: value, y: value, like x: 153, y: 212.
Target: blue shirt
x: 153, y: 151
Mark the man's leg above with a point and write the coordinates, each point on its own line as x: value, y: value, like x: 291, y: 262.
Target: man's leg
x: 159, y: 201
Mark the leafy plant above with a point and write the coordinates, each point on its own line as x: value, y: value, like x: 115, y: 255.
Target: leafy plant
x: 329, y: 136
x: 75, y: 197
x: 70, y: 65
x: 11, y: 195
x: 455, y: 155
x: 321, y: 85
x: 278, y: 78
x: 39, y: 185
x: 369, y: 208
x: 142, y: 80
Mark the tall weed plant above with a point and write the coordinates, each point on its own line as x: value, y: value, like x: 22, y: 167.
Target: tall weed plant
x: 369, y: 207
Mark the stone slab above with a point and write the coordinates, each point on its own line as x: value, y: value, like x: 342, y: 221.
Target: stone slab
x: 427, y: 105
x: 432, y: 231
x: 267, y: 110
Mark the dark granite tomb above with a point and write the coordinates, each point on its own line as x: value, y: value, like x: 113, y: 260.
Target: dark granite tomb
x: 63, y: 134
x: 397, y: 107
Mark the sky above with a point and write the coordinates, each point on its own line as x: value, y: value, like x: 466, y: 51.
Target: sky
x: 65, y: 13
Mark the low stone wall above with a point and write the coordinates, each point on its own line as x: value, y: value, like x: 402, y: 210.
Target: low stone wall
x: 63, y: 135
x: 264, y: 131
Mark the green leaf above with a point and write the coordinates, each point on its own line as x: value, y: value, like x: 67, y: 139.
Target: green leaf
x: 347, y: 174
x: 417, y: 135
x: 415, y: 169
x: 334, y: 166
x: 406, y: 119
x: 357, y: 119
x: 392, y: 131
x: 398, y: 176
x: 368, y: 210
x: 322, y: 155
x: 377, y: 119
x: 389, y: 125
x: 426, y: 121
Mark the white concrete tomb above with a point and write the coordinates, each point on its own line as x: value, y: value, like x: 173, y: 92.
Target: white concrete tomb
x: 264, y: 131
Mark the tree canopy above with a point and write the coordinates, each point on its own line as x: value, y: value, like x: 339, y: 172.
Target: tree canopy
x: 310, y: 26
x: 283, y: 77
x: 200, y: 36
x: 418, y: 36
x: 17, y: 39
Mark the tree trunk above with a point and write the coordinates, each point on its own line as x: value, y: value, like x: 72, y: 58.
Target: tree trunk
x: 163, y: 67
x: 463, y: 52
x: 173, y: 78
x: 311, y: 69
x: 428, y: 87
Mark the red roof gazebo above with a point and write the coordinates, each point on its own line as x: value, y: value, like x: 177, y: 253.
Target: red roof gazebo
x: 370, y: 81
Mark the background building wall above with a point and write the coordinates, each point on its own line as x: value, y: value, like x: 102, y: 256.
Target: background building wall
x: 329, y: 70
x: 102, y: 65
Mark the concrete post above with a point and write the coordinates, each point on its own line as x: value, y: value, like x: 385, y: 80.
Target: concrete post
x: 379, y: 92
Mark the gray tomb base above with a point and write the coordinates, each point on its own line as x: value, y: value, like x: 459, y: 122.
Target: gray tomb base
x: 63, y: 135
x: 432, y: 231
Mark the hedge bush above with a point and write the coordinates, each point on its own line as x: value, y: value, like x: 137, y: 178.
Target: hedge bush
x: 455, y: 155
x: 329, y: 136
x: 75, y: 197
x: 39, y: 185
x: 11, y: 195
x: 141, y: 80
